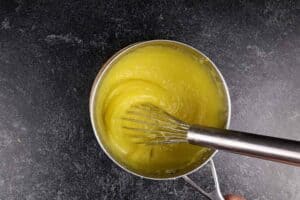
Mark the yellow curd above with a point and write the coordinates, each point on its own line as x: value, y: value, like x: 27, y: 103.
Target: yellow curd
x: 173, y: 77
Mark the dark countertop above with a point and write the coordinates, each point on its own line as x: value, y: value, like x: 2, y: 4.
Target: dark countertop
x: 50, y: 52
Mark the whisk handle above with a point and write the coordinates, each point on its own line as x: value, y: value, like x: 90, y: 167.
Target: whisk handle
x: 264, y: 147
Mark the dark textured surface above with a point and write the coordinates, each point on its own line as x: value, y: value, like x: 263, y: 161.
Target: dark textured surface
x: 51, y: 50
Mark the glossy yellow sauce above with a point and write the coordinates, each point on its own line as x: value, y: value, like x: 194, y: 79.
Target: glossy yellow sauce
x: 174, y: 78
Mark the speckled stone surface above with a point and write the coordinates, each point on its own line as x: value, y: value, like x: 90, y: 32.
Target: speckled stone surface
x: 51, y: 50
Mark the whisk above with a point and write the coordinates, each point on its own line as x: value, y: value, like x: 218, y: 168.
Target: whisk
x: 154, y: 126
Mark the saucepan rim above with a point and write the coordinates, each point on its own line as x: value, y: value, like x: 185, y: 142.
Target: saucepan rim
x: 101, y: 74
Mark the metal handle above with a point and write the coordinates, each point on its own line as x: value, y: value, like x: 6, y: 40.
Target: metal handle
x: 265, y: 147
x: 214, y: 195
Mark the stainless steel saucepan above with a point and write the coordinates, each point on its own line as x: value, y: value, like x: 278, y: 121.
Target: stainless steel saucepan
x: 214, y: 195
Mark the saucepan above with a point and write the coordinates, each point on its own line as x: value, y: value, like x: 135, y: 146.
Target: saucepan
x: 208, y: 160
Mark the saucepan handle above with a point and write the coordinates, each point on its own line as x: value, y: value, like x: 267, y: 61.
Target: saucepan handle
x: 214, y: 195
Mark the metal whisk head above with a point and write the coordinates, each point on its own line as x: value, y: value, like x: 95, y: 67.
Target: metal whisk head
x: 149, y: 124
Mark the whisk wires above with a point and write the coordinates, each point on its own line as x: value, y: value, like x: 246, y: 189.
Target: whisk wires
x: 152, y: 125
